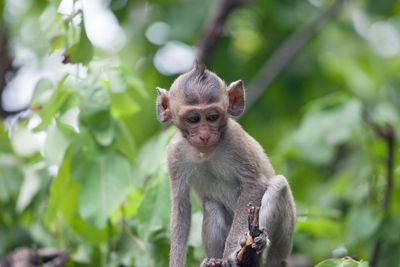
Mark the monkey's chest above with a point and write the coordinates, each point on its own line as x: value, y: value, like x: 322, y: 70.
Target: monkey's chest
x: 218, y: 183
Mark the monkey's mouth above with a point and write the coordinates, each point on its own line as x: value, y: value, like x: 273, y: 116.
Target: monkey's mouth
x: 205, y: 146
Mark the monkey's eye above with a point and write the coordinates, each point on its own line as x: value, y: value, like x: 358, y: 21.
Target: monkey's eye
x: 212, y: 116
x: 192, y: 117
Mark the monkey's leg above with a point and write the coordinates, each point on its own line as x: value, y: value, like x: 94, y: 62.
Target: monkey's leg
x: 277, y: 217
x: 216, y: 225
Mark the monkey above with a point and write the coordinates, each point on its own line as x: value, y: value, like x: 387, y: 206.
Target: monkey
x: 213, y: 157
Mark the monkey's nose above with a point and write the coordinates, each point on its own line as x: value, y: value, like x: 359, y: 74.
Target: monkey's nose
x: 204, y: 138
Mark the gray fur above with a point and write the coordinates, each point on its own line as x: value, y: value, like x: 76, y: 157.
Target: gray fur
x: 235, y: 173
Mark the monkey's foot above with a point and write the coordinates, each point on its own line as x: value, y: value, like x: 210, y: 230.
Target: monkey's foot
x: 211, y: 262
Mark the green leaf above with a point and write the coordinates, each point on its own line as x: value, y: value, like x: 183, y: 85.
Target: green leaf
x: 153, y: 212
x: 52, y: 107
x: 130, y: 205
x: 122, y: 104
x: 29, y: 188
x: 91, y: 234
x: 346, y: 262
x: 382, y: 7
x: 363, y: 222
x: 56, y: 43
x: 82, y: 52
x: 124, y: 141
x: 11, y: 177
x: 72, y: 101
x: 320, y: 227
x: 5, y: 145
x: 63, y: 193
x: 1, y: 10
x: 152, y: 155
x: 135, y: 82
x: 42, y: 92
x: 321, y: 130
x: 95, y: 114
x: 58, y: 139
x: 105, y: 184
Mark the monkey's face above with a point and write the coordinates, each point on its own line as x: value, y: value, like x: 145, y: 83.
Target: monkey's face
x: 202, y: 125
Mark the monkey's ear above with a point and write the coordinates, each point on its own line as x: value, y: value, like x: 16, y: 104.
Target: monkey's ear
x: 236, y: 98
x: 163, y: 109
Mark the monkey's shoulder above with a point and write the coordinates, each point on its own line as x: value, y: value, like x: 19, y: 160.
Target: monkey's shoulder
x: 242, y: 147
x: 238, y: 140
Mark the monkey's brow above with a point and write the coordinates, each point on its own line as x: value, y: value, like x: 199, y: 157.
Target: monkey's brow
x: 191, y: 113
x: 199, y: 107
x: 213, y: 111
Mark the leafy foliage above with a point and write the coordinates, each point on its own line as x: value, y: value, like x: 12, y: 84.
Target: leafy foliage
x: 83, y: 169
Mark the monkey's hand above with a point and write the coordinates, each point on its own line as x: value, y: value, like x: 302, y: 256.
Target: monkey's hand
x: 211, y: 262
x: 257, y: 243
x: 252, y: 245
x: 260, y: 241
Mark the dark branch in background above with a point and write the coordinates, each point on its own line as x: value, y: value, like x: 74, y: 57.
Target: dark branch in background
x: 23, y: 256
x: 286, y: 52
x: 279, y: 59
x: 214, y: 29
x: 387, y: 134
x: 5, y: 67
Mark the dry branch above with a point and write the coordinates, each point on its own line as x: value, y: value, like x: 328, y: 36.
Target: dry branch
x: 214, y: 28
x: 45, y: 257
x: 248, y: 256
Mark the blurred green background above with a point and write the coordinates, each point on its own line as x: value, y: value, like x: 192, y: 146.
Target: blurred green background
x: 82, y: 155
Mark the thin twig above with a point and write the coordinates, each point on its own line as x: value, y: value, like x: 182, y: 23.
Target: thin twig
x: 126, y: 229
x: 387, y: 134
x: 37, y: 256
x: 286, y: 52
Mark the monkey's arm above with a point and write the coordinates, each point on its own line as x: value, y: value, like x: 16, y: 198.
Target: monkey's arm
x: 180, y: 221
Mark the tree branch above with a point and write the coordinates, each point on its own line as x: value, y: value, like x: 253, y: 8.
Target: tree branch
x: 214, y: 29
x: 248, y: 256
x: 23, y: 256
x: 387, y: 134
x: 286, y: 52
x: 5, y: 67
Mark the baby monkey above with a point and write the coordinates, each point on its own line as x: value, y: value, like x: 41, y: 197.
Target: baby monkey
x: 226, y: 168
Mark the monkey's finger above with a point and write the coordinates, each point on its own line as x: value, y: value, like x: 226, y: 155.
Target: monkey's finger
x: 212, y: 262
x: 259, y: 244
x: 260, y: 240
x: 243, y: 242
x: 205, y: 262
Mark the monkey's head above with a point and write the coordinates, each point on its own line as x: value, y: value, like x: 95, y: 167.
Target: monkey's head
x: 199, y: 104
